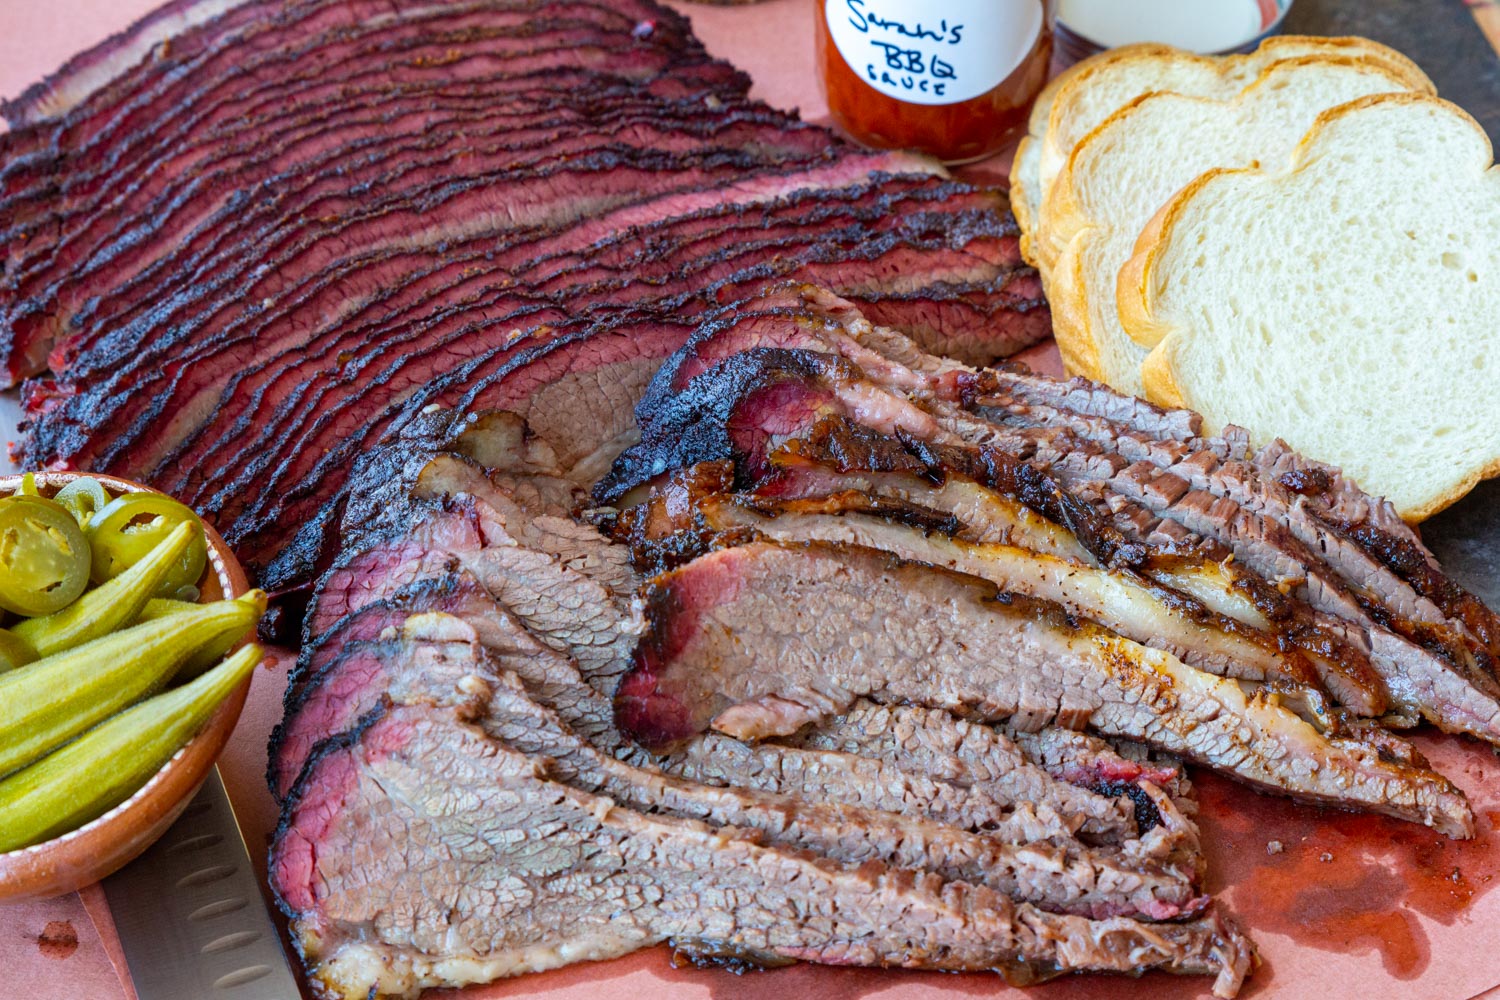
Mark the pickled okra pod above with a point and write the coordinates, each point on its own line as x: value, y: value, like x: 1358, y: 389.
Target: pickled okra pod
x: 213, y: 652
x: 105, y: 766
x: 46, y: 703
x: 14, y: 651
x: 160, y: 607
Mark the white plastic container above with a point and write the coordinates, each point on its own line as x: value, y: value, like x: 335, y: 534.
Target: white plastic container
x: 1085, y: 27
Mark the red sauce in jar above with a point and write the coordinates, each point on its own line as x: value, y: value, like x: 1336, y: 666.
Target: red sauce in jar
x: 921, y: 74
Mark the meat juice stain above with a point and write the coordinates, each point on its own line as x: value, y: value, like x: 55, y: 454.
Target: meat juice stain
x: 824, y: 982
x: 58, y: 940
x: 1341, y: 882
x: 1379, y: 873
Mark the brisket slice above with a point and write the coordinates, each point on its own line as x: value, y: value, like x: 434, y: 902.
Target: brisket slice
x: 728, y: 273
x: 400, y: 281
x: 1016, y: 806
x: 370, y: 621
x: 138, y: 274
x: 1115, y: 767
x: 1357, y: 537
x: 36, y: 211
x: 476, y: 896
x: 745, y: 406
x: 897, y: 631
x: 970, y: 323
x: 519, y: 83
x: 1442, y: 683
x: 197, y: 69
x: 128, y: 61
x: 565, y: 609
x: 355, y: 307
x: 969, y: 754
x: 583, y: 383
x: 1119, y: 599
x: 838, y: 454
x: 434, y: 664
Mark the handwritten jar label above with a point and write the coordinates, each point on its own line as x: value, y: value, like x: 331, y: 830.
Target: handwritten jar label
x: 934, y: 51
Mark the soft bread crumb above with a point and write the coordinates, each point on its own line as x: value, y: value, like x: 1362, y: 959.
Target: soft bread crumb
x: 1079, y: 100
x: 1124, y: 170
x: 1349, y: 302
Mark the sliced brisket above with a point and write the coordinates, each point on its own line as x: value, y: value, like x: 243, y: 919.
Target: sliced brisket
x: 742, y: 410
x: 179, y: 195
x: 851, y: 622
x: 1369, y: 548
x: 392, y: 313
x: 428, y: 666
x: 382, y: 808
x: 1119, y: 599
x: 293, y: 44
x: 495, y: 173
x: 575, y: 391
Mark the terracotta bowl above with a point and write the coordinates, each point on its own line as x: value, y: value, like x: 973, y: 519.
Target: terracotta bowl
x: 89, y: 853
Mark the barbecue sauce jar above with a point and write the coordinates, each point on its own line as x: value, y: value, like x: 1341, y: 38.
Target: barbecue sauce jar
x: 954, y: 78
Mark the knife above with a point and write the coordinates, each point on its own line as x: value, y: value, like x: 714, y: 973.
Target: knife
x: 190, y: 916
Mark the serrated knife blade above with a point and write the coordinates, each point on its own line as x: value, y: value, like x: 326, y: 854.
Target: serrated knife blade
x: 191, y: 919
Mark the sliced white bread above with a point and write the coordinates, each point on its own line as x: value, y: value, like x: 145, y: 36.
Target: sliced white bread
x: 1025, y: 191
x: 1347, y: 302
x: 1127, y: 168
x: 1077, y: 101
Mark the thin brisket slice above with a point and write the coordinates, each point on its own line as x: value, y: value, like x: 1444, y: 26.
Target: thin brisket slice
x: 377, y: 303
x: 954, y: 419
x: 437, y: 660
x: 1120, y: 599
x: 851, y: 622
x: 382, y: 807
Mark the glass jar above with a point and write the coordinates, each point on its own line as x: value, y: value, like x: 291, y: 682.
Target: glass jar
x: 955, y: 78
